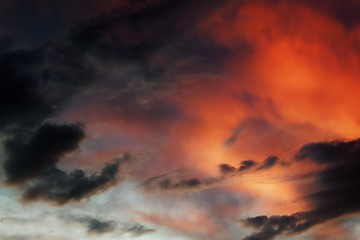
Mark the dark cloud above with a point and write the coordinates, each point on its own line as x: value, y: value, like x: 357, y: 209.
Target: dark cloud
x: 59, y: 187
x: 336, y: 191
x: 39, y: 82
x: 269, y: 162
x: 272, y: 226
x: 330, y: 152
x: 136, y: 229
x: 226, y: 171
x: 31, y: 164
x: 97, y: 226
x: 100, y: 226
x: 20, y: 102
x: 173, y: 182
x: 33, y: 88
x: 226, y: 168
x: 32, y: 22
x: 48, y: 144
x: 182, y: 184
x: 5, y: 44
x: 245, y: 165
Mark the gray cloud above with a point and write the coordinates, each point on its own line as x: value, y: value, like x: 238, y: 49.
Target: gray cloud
x: 136, y: 229
x: 100, y: 226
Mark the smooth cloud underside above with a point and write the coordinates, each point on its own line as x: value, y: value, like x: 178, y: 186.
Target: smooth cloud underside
x: 197, y: 85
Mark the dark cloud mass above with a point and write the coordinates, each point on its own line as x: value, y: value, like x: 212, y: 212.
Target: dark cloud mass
x: 336, y: 195
x: 33, y: 164
x: 59, y: 187
x: 330, y: 152
x: 48, y: 144
x: 36, y: 83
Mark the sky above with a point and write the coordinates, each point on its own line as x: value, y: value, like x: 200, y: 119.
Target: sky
x: 184, y: 120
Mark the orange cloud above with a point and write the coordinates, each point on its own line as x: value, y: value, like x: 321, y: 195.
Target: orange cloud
x: 305, y: 62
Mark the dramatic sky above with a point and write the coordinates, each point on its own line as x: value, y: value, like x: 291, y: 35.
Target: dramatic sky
x: 179, y: 119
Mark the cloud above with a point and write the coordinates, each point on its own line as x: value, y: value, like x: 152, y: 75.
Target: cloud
x: 136, y: 229
x: 100, y: 226
x: 173, y: 183
x: 226, y: 171
x: 39, y: 83
x: 272, y: 226
x: 48, y: 144
x: 21, y: 104
x: 32, y: 163
x: 233, y: 138
x: 330, y: 152
x: 46, y: 81
x: 56, y: 186
x: 226, y: 168
x: 133, y: 53
x: 245, y: 165
x: 97, y: 226
x: 269, y: 162
x: 335, y: 195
